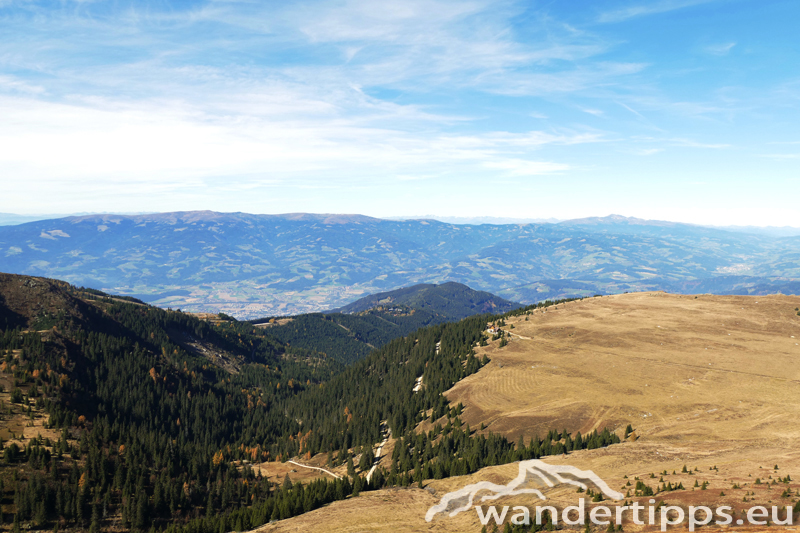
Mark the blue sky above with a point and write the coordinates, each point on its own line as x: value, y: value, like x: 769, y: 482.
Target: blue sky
x: 682, y: 110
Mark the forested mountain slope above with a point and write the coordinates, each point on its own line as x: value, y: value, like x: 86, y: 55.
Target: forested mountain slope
x: 350, y: 333
x: 451, y: 300
x: 120, y: 415
x: 348, y: 338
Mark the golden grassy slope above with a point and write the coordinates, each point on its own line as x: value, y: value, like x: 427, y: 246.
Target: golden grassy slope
x: 706, y: 381
x: 676, y: 367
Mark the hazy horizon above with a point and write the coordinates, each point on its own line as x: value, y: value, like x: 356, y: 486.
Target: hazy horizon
x: 10, y: 219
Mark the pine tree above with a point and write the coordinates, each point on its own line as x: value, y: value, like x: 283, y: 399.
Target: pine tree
x: 94, y: 527
x: 142, y: 519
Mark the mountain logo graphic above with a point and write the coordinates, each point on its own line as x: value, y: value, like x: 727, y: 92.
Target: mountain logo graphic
x: 531, y: 472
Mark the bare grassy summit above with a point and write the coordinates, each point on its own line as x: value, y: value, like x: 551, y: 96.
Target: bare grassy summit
x: 708, y: 382
x: 29, y: 301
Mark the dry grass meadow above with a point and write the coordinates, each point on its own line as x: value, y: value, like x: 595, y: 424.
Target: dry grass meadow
x: 706, y: 382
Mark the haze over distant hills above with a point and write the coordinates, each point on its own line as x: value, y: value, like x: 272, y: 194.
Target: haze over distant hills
x: 773, y: 231
x: 480, y: 220
x: 11, y: 219
x: 258, y: 265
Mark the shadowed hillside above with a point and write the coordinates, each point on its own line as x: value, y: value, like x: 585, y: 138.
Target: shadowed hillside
x: 453, y: 301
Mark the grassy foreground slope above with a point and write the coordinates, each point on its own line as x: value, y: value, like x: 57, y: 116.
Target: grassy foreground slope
x: 710, y: 383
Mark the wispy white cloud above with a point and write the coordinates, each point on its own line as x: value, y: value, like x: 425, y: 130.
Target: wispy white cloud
x: 632, y: 110
x: 575, y: 80
x: 714, y: 107
x: 403, y: 22
x: 781, y: 157
x: 720, y: 49
x: 414, y: 46
x: 681, y: 142
x: 161, y: 142
x: 646, y: 151
x: 519, y: 167
x: 644, y: 9
x: 414, y: 177
x: 689, y: 143
x: 16, y: 85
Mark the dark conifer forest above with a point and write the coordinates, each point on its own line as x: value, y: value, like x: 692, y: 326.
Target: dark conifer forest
x: 160, y: 415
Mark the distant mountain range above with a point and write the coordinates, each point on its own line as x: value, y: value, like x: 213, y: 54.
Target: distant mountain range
x: 481, y: 220
x: 12, y: 219
x: 258, y: 265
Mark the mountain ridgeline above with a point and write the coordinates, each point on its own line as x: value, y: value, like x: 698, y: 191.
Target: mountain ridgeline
x: 252, y: 266
x: 452, y: 301
x: 351, y: 332
x: 150, y: 418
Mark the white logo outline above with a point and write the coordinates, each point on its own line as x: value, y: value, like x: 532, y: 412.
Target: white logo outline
x: 537, y: 467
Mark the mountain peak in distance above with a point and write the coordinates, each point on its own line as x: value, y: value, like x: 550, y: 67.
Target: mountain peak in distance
x: 450, y: 299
